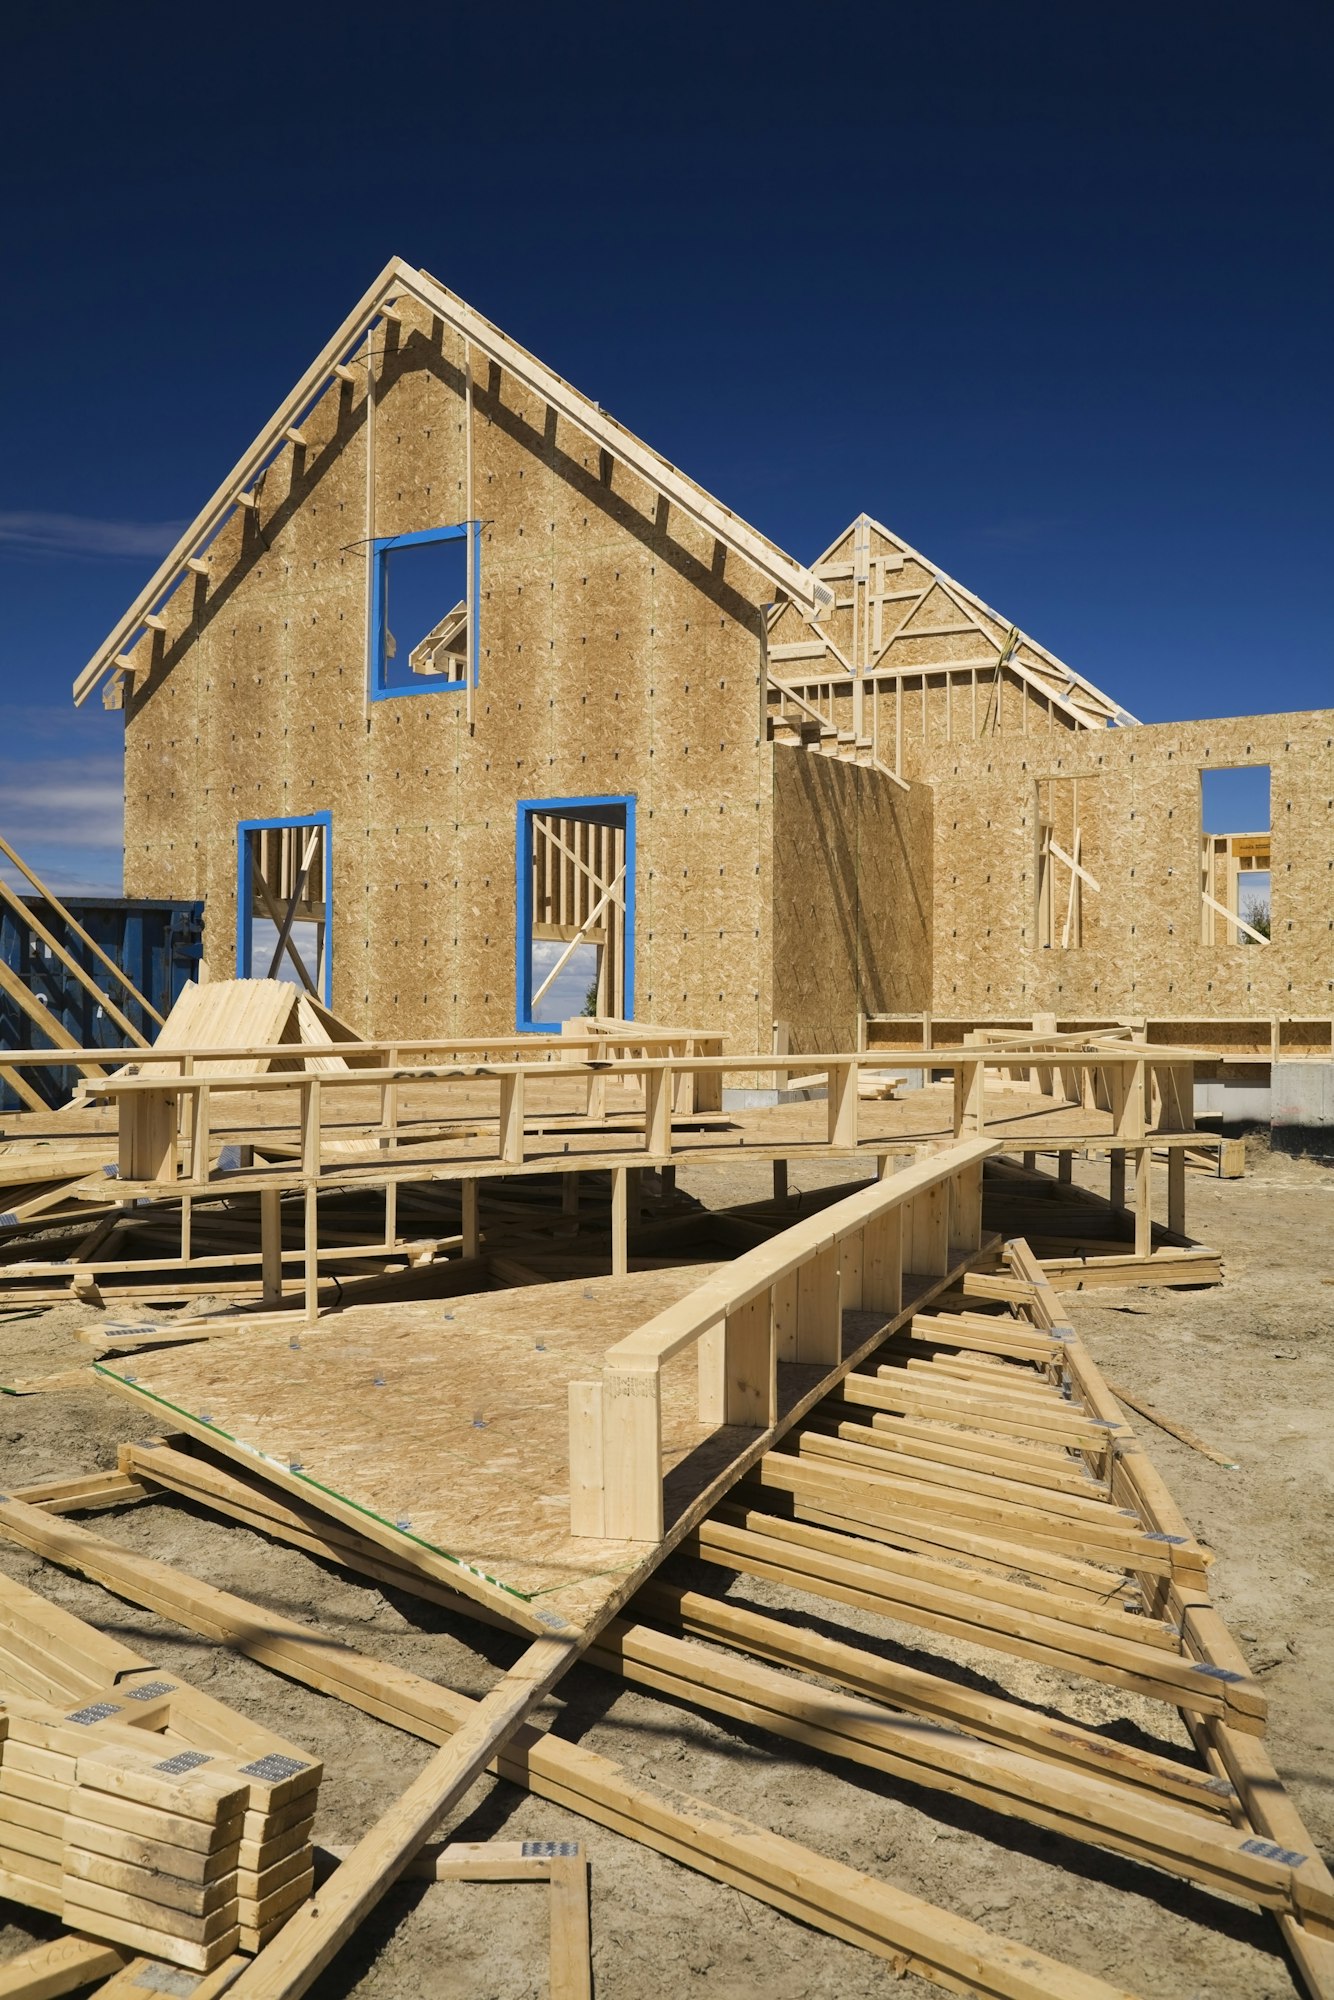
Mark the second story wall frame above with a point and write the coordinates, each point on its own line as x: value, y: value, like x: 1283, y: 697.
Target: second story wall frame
x: 428, y: 651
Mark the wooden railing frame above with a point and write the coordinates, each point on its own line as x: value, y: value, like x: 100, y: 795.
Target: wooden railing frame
x: 782, y: 1301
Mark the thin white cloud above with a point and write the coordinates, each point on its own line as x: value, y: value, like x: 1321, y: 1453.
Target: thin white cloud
x: 63, y: 802
x: 31, y: 533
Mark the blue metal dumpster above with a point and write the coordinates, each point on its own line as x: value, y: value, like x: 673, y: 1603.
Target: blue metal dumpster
x: 156, y: 943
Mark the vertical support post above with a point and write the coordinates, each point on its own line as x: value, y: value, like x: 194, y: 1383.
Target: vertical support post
x: 389, y: 1104
x: 658, y: 1111
x: 569, y: 1195
x: 780, y: 1180
x: 819, y: 1309
x: 970, y: 1097
x: 966, y: 1209
x: 587, y: 1471
x: 511, y: 1117
x: 1065, y: 1165
x: 841, y: 1089
x: 782, y: 1047
x: 927, y: 1247
x: 632, y: 1453
x: 783, y: 1292
x: 667, y: 1180
x: 1143, y: 1201
x: 882, y: 1264
x: 390, y: 1214
x: 271, y: 1244
x: 620, y: 1262
x: 472, y: 1232
x: 312, y: 1249
x: 738, y: 1378
x: 1176, y: 1189
x: 850, y: 1270
x: 201, y: 1136
x: 1116, y: 1188
x: 708, y: 1082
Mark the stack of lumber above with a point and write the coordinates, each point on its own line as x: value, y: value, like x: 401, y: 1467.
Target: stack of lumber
x: 150, y: 1853
x: 180, y: 1853
x: 246, y: 1014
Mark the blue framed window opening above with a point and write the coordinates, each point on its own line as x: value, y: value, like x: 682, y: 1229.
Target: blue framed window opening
x: 284, y: 902
x: 425, y: 611
x: 575, y: 909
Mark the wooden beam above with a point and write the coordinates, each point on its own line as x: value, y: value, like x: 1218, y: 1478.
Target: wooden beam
x: 316, y: 1930
x: 827, y: 1895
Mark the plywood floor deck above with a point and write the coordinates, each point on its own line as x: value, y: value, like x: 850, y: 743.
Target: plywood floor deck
x: 440, y: 1428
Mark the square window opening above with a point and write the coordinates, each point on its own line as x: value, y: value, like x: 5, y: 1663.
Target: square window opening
x: 1235, y: 906
x: 424, y: 611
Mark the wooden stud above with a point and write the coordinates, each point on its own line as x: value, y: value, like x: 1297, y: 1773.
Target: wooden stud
x: 620, y: 1261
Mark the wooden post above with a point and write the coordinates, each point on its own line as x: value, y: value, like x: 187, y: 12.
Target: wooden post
x: 147, y: 1122
x: 271, y: 1244
x: 841, y: 1090
x: 619, y: 1246
x: 819, y: 1309
x: 1176, y: 1189
x: 511, y: 1117
x: 1065, y: 1165
x: 970, y: 1097
x: 882, y: 1264
x: 708, y: 1083
x: 1143, y: 1201
x: 966, y: 1208
x: 312, y: 1249
x: 927, y: 1245
x: 1116, y: 1190
x: 587, y: 1481
x: 632, y: 1453
x: 569, y: 1194
x: 780, y: 1180
x: 737, y: 1367
x: 658, y: 1111
x: 472, y: 1233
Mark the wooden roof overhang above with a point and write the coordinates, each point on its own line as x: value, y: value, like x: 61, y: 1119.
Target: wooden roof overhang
x: 401, y: 280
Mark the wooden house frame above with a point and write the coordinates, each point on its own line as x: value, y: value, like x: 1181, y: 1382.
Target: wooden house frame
x: 640, y: 747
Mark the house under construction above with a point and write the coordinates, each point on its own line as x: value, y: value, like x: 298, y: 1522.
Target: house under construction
x: 460, y: 703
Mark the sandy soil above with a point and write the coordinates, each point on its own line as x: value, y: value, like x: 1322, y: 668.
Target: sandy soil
x: 1249, y: 1365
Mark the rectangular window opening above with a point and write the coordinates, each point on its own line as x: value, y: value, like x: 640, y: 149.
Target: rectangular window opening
x: 1235, y: 903
x: 575, y: 899
x: 1064, y: 875
x: 284, y: 903
x: 424, y: 598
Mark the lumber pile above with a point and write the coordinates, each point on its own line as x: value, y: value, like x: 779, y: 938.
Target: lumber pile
x: 182, y: 1854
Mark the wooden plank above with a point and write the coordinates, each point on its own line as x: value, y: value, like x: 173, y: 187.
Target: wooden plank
x: 314, y: 1933
x: 64, y: 1965
x: 825, y: 1894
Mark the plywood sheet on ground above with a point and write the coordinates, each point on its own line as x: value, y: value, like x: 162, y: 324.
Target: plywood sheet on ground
x: 446, y: 1420
x: 372, y: 1416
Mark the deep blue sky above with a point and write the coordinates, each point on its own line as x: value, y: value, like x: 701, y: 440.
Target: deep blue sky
x: 1045, y: 287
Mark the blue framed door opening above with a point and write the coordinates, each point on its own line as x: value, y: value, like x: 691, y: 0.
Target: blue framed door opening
x: 575, y: 910
x: 284, y: 902
x: 425, y: 603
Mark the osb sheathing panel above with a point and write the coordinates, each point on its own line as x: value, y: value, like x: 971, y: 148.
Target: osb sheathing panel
x: 620, y: 653
x: 1141, y: 817
x: 852, y: 897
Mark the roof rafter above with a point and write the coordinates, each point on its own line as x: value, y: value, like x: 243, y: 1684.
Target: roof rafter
x: 396, y: 281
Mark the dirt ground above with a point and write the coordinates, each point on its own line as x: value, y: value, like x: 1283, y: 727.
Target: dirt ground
x: 1249, y: 1365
